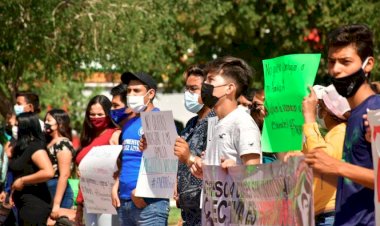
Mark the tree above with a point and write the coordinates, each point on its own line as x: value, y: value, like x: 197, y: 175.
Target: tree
x: 45, y: 41
x: 261, y: 29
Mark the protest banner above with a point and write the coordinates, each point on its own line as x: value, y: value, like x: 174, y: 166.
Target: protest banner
x: 374, y: 122
x: 270, y: 194
x: 286, y: 80
x: 96, y: 178
x: 158, y: 169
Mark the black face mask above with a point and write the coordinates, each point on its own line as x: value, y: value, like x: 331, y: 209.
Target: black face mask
x: 349, y: 85
x: 47, y: 128
x: 206, y: 94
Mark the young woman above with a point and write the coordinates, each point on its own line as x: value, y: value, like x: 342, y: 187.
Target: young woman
x: 57, y: 127
x: 31, y: 168
x: 98, y: 129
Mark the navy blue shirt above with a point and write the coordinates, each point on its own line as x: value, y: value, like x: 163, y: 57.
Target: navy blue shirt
x: 354, y: 202
x: 189, y: 187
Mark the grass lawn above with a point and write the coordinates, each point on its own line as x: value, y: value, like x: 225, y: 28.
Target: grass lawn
x: 174, y: 216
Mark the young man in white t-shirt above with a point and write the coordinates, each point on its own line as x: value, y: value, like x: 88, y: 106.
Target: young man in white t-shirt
x: 236, y: 137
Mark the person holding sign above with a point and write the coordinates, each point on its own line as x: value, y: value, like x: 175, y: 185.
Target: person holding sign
x: 325, y: 106
x: 98, y: 129
x: 133, y: 210
x: 350, y: 61
x: 236, y: 137
x: 190, y: 146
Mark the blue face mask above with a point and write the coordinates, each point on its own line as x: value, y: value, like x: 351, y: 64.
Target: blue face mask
x: 119, y: 115
x: 191, y: 102
x: 18, y: 109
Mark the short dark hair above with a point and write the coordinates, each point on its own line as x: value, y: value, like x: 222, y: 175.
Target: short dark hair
x: 31, y: 98
x: 358, y: 35
x: 235, y: 68
x: 249, y: 93
x: 195, y: 70
x: 120, y: 90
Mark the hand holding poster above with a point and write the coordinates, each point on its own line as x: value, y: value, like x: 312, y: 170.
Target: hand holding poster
x: 286, y: 81
x: 269, y: 194
x: 374, y: 122
x: 96, y: 178
x: 158, y: 169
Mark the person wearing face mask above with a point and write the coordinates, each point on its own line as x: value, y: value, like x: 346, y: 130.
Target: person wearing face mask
x: 28, y: 102
x: 190, y: 146
x: 31, y: 168
x: 58, y: 131
x: 134, y: 210
x: 236, y: 137
x: 350, y: 62
x: 120, y: 113
x: 324, y: 106
x: 97, y: 130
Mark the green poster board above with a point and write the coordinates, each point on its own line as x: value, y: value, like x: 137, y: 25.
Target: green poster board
x: 286, y: 81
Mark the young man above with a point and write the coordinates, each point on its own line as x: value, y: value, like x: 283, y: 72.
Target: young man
x: 137, y: 210
x: 350, y: 61
x: 27, y: 102
x: 120, y: 112
x: 190, y: 146
x: 236, y: 137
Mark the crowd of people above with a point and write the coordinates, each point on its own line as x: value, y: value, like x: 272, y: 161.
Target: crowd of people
x: 337, y: 144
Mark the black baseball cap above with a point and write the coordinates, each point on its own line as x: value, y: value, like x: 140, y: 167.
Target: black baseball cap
x: 141, y: 76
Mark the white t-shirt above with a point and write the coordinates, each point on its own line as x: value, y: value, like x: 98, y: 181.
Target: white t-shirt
x: 232, y: 137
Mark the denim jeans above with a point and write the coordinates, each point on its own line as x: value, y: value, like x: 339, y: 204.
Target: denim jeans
x: 325, y: 219
x: 155, y: 213
x: 68, y: 196
x: 100, y: 219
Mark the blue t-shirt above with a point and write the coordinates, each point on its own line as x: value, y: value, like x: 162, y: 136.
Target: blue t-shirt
x: 354, y: 202
x: 130, y: 157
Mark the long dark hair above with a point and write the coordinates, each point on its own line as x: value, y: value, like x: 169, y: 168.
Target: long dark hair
x: 29, y: 129
x: 63, y: 122
x: 88, y: 131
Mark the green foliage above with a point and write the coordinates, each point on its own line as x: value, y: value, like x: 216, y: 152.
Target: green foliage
x: 43, y: 42
x: 261, y: 29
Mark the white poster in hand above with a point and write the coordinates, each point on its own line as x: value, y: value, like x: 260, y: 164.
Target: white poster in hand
x: 96, y: 178
x: 374, y: 122
x: 158, y: 169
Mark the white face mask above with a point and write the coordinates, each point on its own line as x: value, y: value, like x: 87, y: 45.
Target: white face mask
x: 136, y: 103
x: 18, y: 109
x: 191, y: 102
x: 14, y: 131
